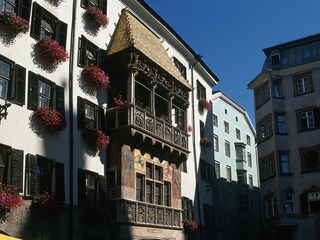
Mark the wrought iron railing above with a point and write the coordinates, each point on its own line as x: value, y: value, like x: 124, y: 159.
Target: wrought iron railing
x: 126, y: 211
x: 146, y: 121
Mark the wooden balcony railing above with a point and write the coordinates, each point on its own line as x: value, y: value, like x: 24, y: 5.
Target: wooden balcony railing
x: 147, y: 122
x: 126, y: 211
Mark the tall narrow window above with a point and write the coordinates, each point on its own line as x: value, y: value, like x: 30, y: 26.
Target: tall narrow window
x: 227, y: 148
x: 216, y: 143
x: 215, y: 120
x: 250, y: 181
x: 249, y: 159
x: 284, y: 163
x: 139, y: 187
x: 277, y: 89
x: 226, y: 127
x: 238, y: 134
x: 281, y: 124
x: 166, y: 193
x: 217, y: 169
x: 303, y: 84
x: 248, y: 140
x: 228, y: 174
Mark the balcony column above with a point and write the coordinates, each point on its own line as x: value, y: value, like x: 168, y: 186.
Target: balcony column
x: 131, y: 86
x: 153, y: 97
x: 170, y: 107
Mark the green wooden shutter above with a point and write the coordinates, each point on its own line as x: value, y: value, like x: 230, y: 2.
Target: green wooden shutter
x: 17, y: 168
x: 31, y: 173
x: 82, y: 51
x: 33, y: 91
x: 59, y: 99
x: 84, y: 3
x: 18, y: 85
x: 23, y: 9
x: 103, y: 6
x: 101, y: 119
x: 81, y: 186
x: 61, y: 35
x: 36, y: 20
x: 81, y: 113
x: 102, y: 190
x: 59, y: 181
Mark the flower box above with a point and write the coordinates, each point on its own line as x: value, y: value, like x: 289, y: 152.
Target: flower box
x: 51, y: 51
x: 96, y: 76
x: 97, y: 18
x: 50, y: 118
x: 13, y: 22
x: 9, y: 198
x: 204, y: 104
x: 117, y: 102
x: 190, y: 227
x: 96, y: 138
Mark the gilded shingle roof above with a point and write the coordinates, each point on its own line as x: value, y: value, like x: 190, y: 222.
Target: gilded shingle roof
x: 130, y: 32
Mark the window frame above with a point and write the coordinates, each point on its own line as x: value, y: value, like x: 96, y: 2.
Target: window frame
x: 312, y: 165
x: 304, y: 124
x: 201, y: 91
x: 284, y: 170
x: 238, y: 134
x: 102, y: 5
x: 262, y: 94
x: 227, y: 148
x: 280, y: 124
x: 216, y: 143
x: 217, y: 169
x: 265, y: 128
x: 303, y: 77
x: 226, y: 127
x: 267, y: 167
x: 228, y: 173
x: 215, y: 120
x: 84, y: 48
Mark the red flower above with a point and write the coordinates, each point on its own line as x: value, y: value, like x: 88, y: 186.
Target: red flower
x: 51, y: 118
x: 190, y: 226
x: 97, y: 17
x: 9, y: 198
x: 204, y: 140
x: 204, y: 104
x: 51, y: 51
x: 117, y: 101
x: 14, y: 22
x: 96, y: 138
x: 96, y: 76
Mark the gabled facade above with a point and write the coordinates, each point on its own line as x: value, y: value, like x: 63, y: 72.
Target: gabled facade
x: 130, y: 81
x: 287, y: 116
x: 236, y: 183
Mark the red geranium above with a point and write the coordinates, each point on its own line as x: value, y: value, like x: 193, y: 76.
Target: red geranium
x: 97, y: 17
x: 51, y: 51
x: 190, y: 226
x: 9, y: 198
x: 96, y: 76
x: 204, y: 103
x: 51, y: 118
x: 15, y: 23
x: 117, y: 101
x: 96, y: 138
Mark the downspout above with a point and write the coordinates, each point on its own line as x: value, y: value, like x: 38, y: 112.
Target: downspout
x: 197, y: 58
x: 71, y: 138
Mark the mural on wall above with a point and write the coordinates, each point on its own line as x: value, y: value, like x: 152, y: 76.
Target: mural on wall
x: 127, y: 167
x: 176, y: 182
x: 167, y: 171
x: 139, y: 161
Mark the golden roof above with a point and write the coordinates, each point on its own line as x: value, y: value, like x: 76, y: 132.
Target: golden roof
x: 130, y: 32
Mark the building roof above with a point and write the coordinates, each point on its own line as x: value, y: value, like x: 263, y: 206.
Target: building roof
x: 130, y: 32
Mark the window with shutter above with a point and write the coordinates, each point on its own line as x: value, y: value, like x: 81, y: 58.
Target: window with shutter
x: 44, y: 24
x: 101, y: 4
x: 88, y: 53
x: 12, y: 81
x: 90, y: 115
x: 44, y: 93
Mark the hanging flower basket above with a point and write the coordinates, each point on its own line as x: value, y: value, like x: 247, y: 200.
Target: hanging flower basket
x: 97, y: 18
x: 96, y: 76
x: 190, y: 227
x: 204, y: 141
x: 50, y: 118
x: 51, y: 51
x: 117, y: 102
x: 13, y: 22
x: 96, y: 138
x: 204, y: 104
x: 9, y: 198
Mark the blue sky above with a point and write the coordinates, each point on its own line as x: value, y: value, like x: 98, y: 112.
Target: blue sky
x: 230, y: 34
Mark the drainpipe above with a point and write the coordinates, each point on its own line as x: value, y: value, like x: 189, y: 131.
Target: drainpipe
x: 197, y: 58
x: 71, y: 137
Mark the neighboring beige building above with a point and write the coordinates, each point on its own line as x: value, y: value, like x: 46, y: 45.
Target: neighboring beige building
x: 287, y: 103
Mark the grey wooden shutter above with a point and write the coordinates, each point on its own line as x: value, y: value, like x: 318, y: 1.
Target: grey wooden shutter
x: 81, y: 186
x: 61, y: 35
x: 33, y: 91
x: 17, y: 168
x: 18, y: 85
x: 60, y: 99
x: 102, y: 190
x: 23, y: 9
x: 59, y: 181
x: 31, y: 173
x: 101, y: 119
x: 82, y: 51
x: 81, y: 113
x: 36, y: 20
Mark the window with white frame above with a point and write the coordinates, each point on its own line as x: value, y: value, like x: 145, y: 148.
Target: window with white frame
x: 271, y: 207
x: 216, y: 142
x: 308, y: 118
x: 227, y: 148
x: 250, y: 177
x: 228, y: 174
x: 217, y: 169
x: 249, y: 159
x: 226, y: 127
x: 238, y: 134
x: 303, y: 84
x: 248, y: 140
x: 289, y: 208
x: 215, y: 120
